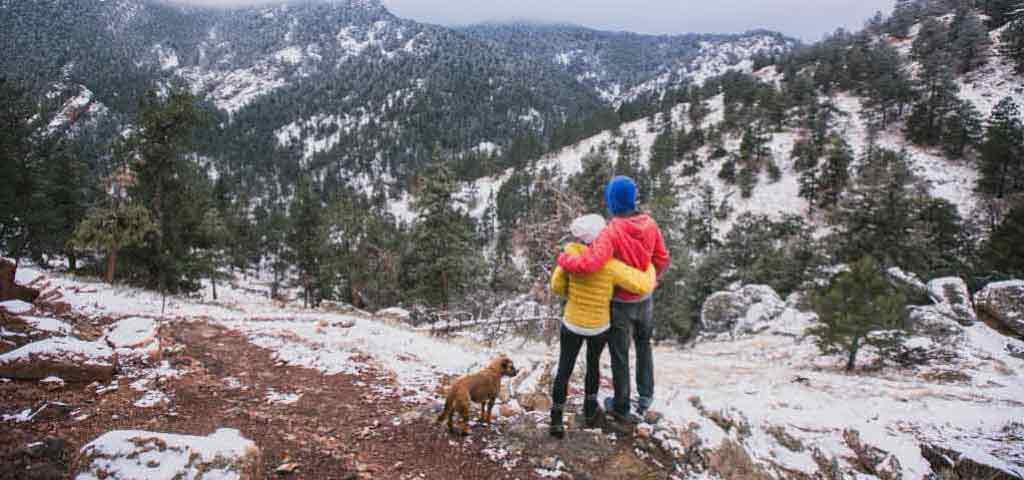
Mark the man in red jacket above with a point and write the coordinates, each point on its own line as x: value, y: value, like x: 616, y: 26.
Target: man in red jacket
x: 635, y: 239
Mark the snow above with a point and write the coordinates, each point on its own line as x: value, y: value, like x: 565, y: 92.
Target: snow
x: 232, y: 90
x: 132, y: 332
x: 282, y: 398
x: 151, y: 398
x: 46, y: 324
x: 137, y: 454
x: 16, y: 307
x: 751, y: 379
x: 290, y: 55
x: 56, y: 348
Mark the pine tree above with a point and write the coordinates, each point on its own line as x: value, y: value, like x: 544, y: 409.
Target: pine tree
x: 860, y: 307
x: 19, y: 168
x: 590, y: 182
x: 1003, y: 252
x: 112, y: 228
x: 670, y: 296
x: 835, y: 172
x: 171, y: 186
x: 728, y: 171
x: 442, y: 257
x: 938, y: 99
x: 702, y: 219
x: 1002, y: 153
x: 876, y: 217
x: 628, y: 160
x: 306, y: 240
x: 663, y: 151
x: 962, y: 129
x: 1013, y: 43
x: 904, y: 15
x: 969, y: 40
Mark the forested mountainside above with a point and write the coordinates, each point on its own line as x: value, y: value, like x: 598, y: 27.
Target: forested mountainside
x: 346, y: 88
x: 362, y: 156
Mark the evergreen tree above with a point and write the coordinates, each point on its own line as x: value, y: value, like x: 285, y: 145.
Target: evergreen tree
x: 1013, y: 43
x: 628, y: 160
x: 19, y: 168
x: 1000, y: 11
x: 938, y: 100
x: 969, y: 41
x: 1002, y: 153
x: 112, y: 228
x: 171, y: 186
x: 728, y: 171
x: 835, y: 172
x: 663, y: 151
x: 962, y: 129
x: 590, y: 182
x: 442, y: 257
x: 306, y: 241
x: 670, y: 297
x: 905, y: 15
x: 703, y: 218
x: 860, y: 307
x: 1003, y: 252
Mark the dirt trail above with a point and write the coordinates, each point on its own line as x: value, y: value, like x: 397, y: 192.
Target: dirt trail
x: 340, y: 426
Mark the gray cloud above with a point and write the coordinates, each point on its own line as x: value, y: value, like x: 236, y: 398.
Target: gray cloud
x: 806, y: 19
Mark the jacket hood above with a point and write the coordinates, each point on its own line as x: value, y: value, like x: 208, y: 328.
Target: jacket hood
x: 633, y: 240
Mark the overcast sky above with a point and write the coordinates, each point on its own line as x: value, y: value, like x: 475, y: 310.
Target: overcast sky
x: 805, y: 19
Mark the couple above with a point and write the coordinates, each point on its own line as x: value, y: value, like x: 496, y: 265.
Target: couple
x: 608, y: 280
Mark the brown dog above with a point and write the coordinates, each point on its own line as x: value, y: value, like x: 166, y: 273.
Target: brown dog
x: 481, y: 387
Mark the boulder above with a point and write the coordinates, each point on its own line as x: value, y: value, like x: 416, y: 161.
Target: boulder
x: 141, y: 455
x: 950, y: 463
x: 909, y: 284
x: 952, y: 293
x: 750, y: 309
x: 9, y: 289
x: 136, y: 337
x: 934, y: 321
x: 68, y: 358
x: 535, y: 402
x: 394, y: 313
x: 1004, y: 302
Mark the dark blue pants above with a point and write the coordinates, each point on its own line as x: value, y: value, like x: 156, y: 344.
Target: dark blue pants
x: 638, y: 317
x: 569, y: 345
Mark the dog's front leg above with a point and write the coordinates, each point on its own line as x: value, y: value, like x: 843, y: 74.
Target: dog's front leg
x: 490, y: 410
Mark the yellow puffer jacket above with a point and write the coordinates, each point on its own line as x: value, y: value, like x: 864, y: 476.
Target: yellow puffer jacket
x: 589, y: 309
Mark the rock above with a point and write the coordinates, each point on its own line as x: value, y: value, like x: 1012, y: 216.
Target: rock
x: 909, y: 284
x: 43, y: 460
x: 539, y: 402
x: 70, y: 359
x: 140, y: 455
x: 1004, y: 302
x: 934, y: 321
x: 748, y: 310
x: 509, y: 410
x: 952, y: 293
x: 949, y: 463
x: 394, y: 313
x: 9, y: 289
x: 136, y: 337
x: 644, y: 430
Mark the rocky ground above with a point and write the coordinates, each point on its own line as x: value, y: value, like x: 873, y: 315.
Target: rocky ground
x: 113, y: 372
x: 306, y: 423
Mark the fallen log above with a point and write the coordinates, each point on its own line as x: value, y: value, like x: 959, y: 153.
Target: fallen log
x: 9, y: 290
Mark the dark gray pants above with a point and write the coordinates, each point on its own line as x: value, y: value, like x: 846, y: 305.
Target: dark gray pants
x: 638, y: 317
x: 569, y: 347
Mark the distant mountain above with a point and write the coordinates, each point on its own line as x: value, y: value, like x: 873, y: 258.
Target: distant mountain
x: 345, y: 88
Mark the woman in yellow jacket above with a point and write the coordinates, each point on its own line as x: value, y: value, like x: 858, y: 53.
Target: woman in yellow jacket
x: 587, y: 318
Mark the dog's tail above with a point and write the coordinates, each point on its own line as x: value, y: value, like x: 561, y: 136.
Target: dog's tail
x: 447, y: 410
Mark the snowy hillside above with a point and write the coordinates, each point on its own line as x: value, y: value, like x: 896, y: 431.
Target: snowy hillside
x: 950, y: 179
x: 764, y: 403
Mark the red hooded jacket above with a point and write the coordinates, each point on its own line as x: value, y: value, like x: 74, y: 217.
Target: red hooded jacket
x: 635, y: 240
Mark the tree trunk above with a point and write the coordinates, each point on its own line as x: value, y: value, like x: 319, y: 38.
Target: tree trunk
x: 111, y: 265
x: 72, y: 262
x: 852, y: 360
x: 213, y: 283
x: 9, y: 290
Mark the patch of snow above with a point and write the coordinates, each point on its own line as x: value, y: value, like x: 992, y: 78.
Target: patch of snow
x: 282, y: 398
x: 16, y: 307
x: 88, y: 353
x: 139, y: 454
x: 46, y: 324
x: 151, y: 398
x: 290, y: 55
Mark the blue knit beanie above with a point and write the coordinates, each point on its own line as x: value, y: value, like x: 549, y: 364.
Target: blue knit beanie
x: 620, y: 195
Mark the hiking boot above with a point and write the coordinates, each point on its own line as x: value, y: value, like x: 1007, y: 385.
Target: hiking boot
x: 557, y: 428
x: 620, y: 417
